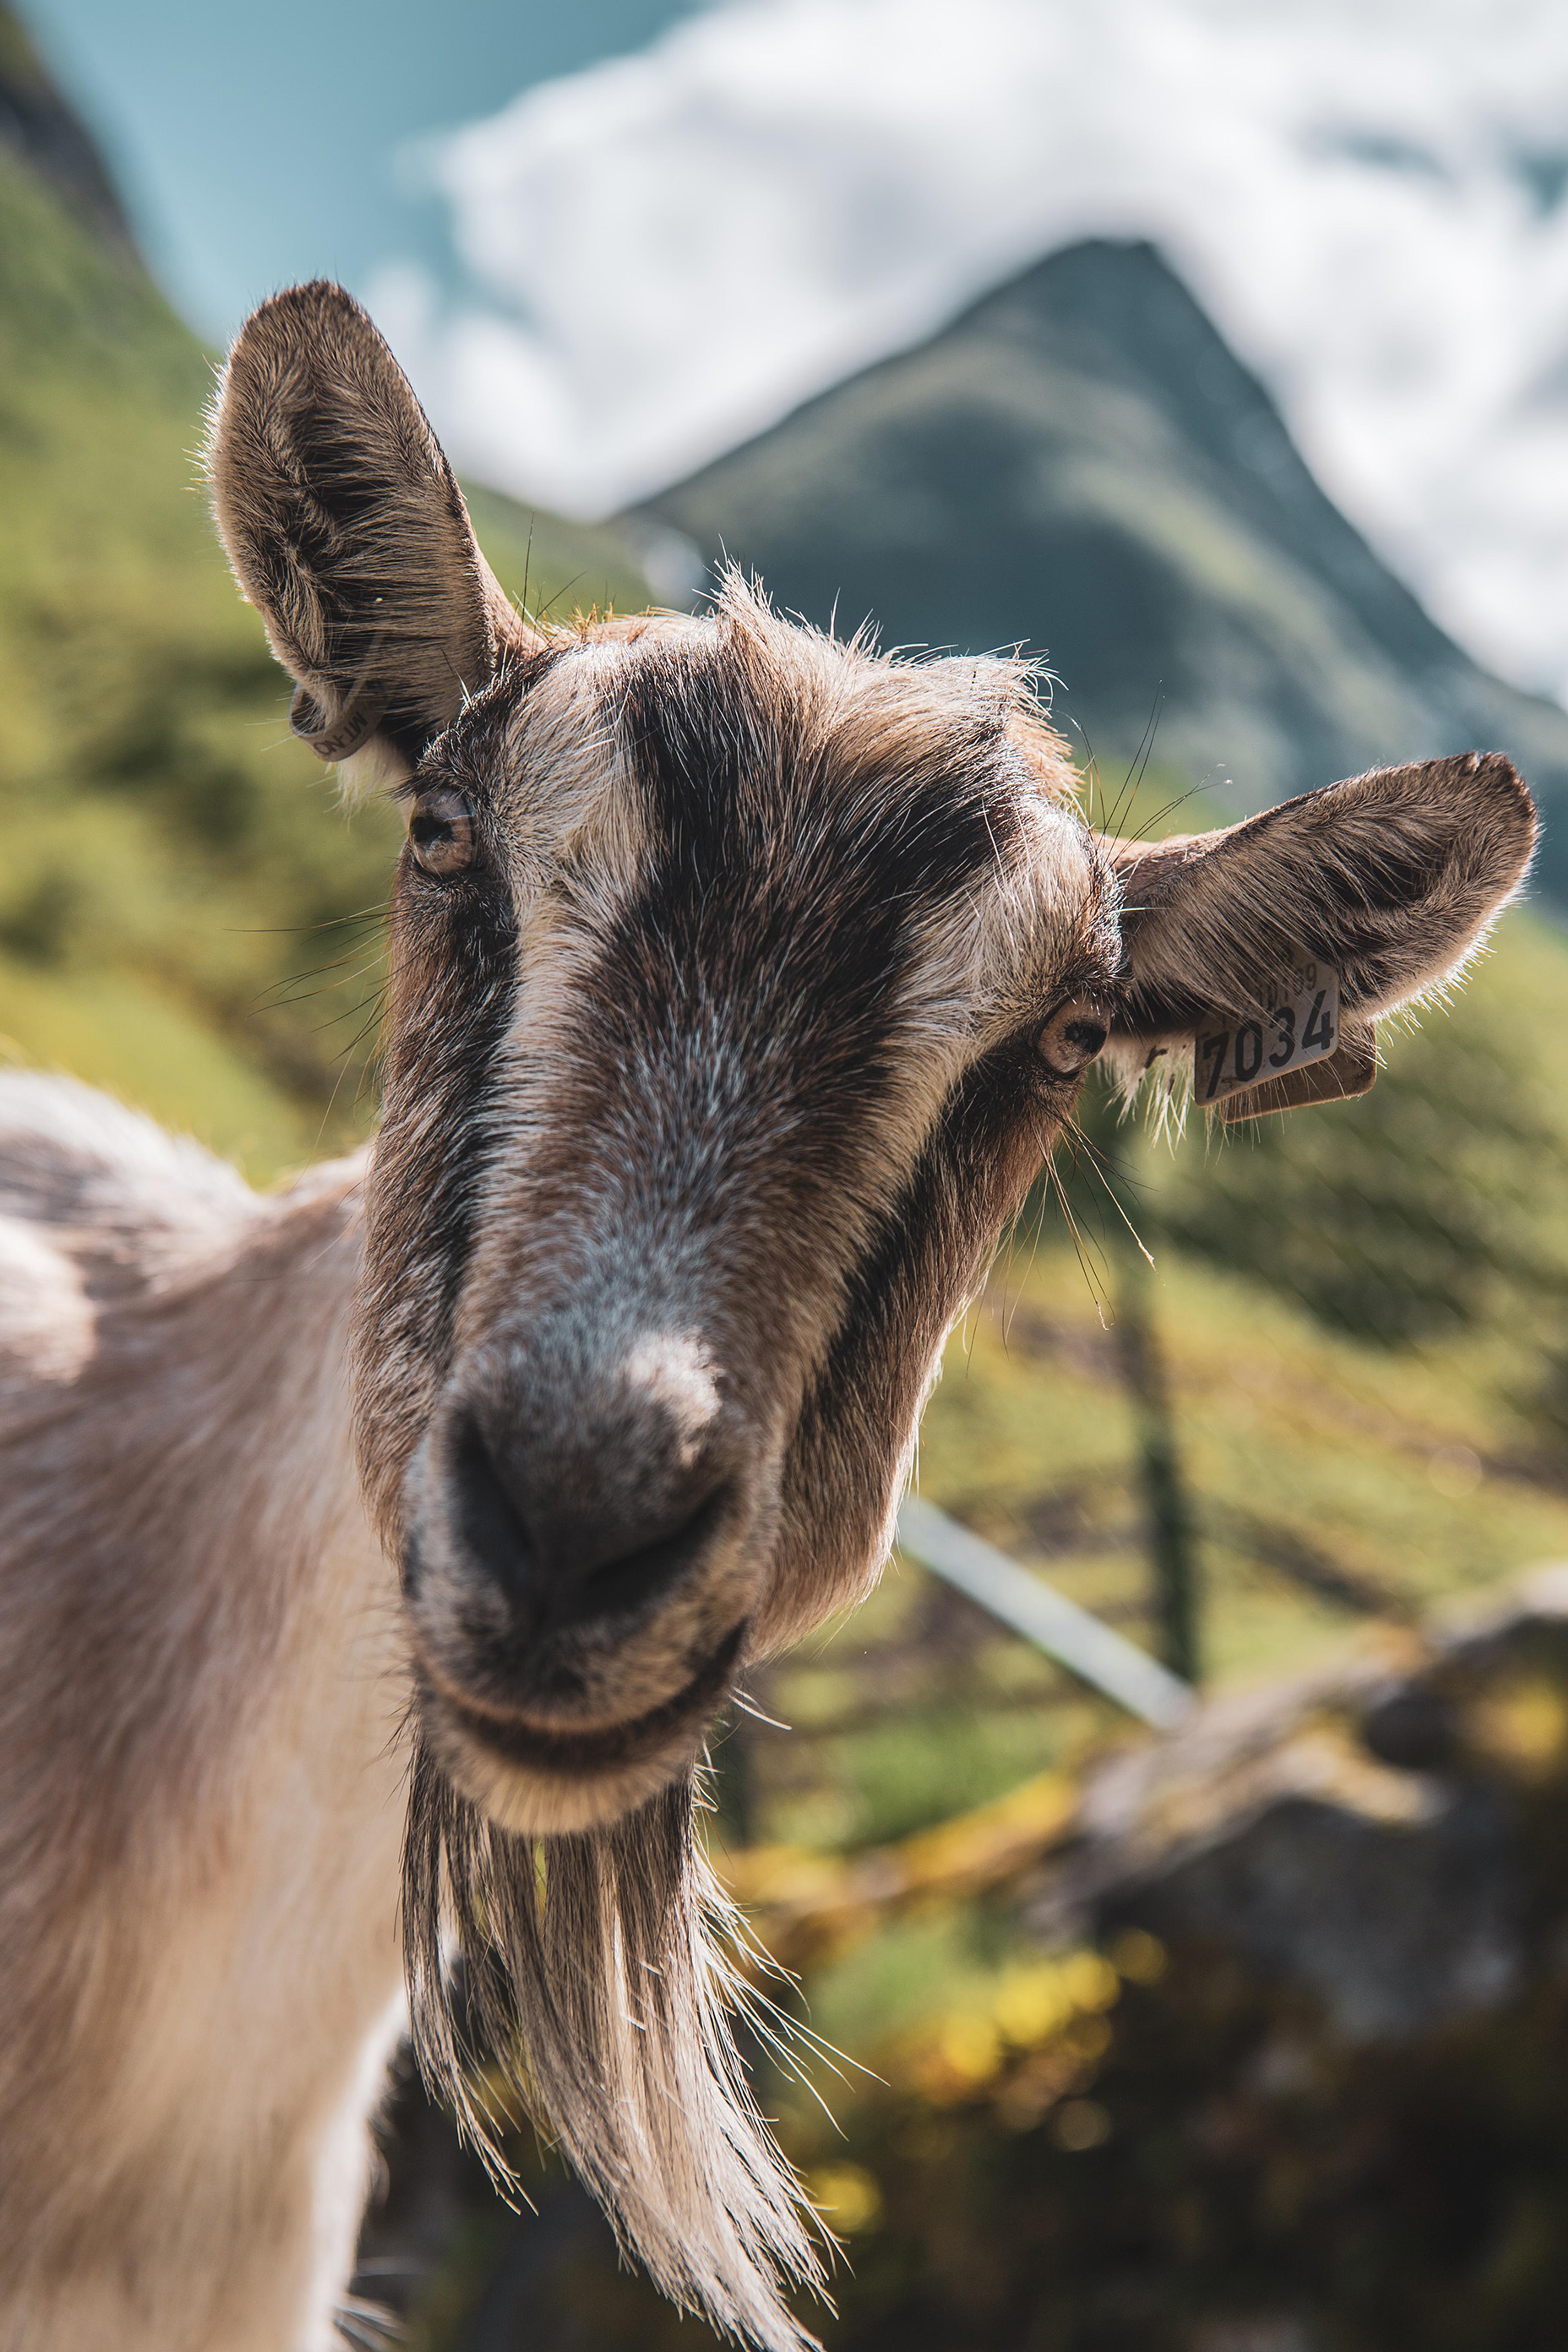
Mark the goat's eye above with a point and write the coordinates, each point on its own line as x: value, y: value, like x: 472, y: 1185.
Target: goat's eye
x: 441, y: 833
x: 1073, y: 1036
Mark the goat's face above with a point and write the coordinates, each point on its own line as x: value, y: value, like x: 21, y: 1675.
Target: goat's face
x: 741, y: 985
x: 739, y: 992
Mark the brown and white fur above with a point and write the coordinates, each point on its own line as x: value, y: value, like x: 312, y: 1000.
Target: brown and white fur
x: 374, y: 1556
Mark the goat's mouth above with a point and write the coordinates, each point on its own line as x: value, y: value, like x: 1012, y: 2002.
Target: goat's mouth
x: 540, y: 1778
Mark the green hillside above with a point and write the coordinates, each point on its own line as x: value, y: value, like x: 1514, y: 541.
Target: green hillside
x: 186, y: 916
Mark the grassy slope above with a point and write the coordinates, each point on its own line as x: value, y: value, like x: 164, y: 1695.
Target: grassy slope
x: 176, y: 867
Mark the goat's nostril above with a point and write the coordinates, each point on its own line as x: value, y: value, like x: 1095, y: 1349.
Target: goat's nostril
x: 567, y: 1557
x: 612, y: 1586
x: 489, y: 1519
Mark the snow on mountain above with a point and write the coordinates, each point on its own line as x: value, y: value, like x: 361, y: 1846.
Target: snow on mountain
x: 1370, y: 197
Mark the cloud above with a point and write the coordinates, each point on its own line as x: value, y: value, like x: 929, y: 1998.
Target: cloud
x: 669, y: 251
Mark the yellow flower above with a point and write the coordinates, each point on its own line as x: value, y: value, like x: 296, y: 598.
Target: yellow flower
x: 847, y: 2196
x: 1139, y: 1956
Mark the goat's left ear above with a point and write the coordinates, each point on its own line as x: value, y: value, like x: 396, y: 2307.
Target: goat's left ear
x: 345, y: 526
x: 1385, y: 884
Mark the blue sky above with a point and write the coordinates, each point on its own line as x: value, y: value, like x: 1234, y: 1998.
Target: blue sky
x: 258, y: 145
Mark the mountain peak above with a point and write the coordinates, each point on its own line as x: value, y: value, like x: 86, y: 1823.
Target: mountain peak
x: 1078, y: 462
x: 37, y: 125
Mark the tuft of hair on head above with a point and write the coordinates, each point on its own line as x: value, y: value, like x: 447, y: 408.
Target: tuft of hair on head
x: 597, y: 1983
x: 877, y: 717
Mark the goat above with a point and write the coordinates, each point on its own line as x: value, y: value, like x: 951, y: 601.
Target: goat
x: 373, y: 1555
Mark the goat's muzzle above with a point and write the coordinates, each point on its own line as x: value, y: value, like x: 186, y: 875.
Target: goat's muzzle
x: 580, y: 1567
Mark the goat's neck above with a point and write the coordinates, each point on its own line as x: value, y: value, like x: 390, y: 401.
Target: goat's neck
x: 216, y: 1806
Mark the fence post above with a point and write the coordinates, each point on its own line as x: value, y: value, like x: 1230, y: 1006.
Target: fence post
x: 1173, y: 1544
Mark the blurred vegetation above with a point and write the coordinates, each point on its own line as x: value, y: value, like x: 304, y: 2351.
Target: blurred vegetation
x: 1434, y: 1207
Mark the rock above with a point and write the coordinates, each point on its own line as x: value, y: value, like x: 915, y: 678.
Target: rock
x: 1383, y: 1838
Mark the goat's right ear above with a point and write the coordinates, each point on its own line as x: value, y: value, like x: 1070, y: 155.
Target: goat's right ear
x: 346, y: 529
x: 1389, y: 881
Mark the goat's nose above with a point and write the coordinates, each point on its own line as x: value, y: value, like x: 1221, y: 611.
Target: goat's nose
x: 569, y: 1543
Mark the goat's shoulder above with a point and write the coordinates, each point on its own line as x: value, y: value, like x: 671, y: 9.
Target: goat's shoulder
x: 95, y: 1202
x: 77, y: 1160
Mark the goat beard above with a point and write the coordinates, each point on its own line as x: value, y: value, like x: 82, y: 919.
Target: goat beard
x: 599, y: 1989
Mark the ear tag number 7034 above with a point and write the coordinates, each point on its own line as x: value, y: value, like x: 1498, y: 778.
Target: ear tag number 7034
x: 1297, y: 1020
